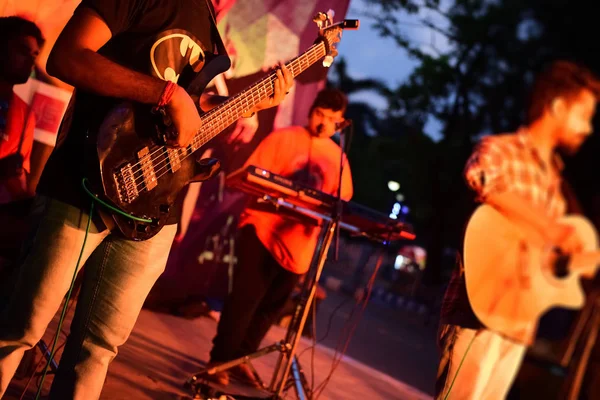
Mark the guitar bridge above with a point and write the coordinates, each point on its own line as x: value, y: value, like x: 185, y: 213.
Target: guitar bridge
x: 126, y: 185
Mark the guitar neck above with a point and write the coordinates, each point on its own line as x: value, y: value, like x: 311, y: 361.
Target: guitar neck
x: 585, y: 263
x: 222, y: 116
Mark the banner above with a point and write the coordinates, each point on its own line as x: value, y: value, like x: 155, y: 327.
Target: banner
x: 48, y: 103
x: 261, y: 33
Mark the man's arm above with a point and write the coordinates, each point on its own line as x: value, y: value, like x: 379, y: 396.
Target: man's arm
x: 486, y: 174
x: 516, y: 207
x: 74, y: 60
x: 347, y: 186
x: 40, y: 153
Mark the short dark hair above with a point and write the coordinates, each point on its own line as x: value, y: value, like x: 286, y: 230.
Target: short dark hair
x: 559, y: 79
x: 331, y: 99
x: 13, y: 26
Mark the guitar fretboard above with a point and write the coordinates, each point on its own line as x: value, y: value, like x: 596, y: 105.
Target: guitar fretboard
x: 154, y: 163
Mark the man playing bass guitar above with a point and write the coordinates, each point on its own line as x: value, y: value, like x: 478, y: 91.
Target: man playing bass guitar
x: 518, y: 175
x: 142, y: 51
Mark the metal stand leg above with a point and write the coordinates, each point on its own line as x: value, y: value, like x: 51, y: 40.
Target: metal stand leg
x: 300, y: 384
x: 287, y: 348
x: 575, y: 378
x: 329, y: 231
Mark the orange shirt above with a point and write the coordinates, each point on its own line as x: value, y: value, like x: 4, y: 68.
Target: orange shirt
x: 18, y: 113
x: 295, y: 154
x: 19, y: 121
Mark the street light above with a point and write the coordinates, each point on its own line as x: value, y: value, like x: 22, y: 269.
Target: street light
x: 393, y: 186
x: 395, y: 211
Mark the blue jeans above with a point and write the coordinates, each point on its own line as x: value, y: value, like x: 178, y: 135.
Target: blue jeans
x: 117, y: 278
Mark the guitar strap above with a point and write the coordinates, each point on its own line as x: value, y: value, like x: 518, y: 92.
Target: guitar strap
x: 199, y: 80
x: 221, y: 50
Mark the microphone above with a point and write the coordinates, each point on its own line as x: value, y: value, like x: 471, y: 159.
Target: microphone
x: 343, y: 125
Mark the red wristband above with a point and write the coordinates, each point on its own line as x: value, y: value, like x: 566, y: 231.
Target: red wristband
x: 167, y: 93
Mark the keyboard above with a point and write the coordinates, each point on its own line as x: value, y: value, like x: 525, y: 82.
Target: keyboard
x: 260, y: 182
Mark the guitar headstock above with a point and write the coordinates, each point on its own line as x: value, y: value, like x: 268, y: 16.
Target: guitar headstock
x: 331, y: 33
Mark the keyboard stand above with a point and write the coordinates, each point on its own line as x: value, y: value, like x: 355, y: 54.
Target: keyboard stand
x: 287, y: 365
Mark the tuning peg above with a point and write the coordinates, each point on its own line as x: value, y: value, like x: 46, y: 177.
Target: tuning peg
x: 327, y: 61
x: 320, y: 17
x: 330, y: 15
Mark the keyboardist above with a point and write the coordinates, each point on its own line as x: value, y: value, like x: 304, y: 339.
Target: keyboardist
x: 275, y: 250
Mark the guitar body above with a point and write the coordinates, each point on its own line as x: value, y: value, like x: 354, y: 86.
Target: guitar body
x: 132, y: 135
x: 508, y: 276
x: 119, y: 137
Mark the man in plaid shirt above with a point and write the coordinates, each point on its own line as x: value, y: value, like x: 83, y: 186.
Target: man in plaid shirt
x: 520, y: 175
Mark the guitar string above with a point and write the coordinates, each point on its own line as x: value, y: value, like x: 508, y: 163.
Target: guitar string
x: 215, y: 114
x: 215, y: 123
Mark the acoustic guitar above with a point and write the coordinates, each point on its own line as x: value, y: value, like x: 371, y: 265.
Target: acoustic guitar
x: 509, y: 272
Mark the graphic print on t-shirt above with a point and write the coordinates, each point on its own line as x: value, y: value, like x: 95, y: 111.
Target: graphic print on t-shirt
x: 173, y: 51
x: 310, y: 174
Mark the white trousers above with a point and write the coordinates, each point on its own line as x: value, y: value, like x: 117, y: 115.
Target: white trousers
x: 489, y: 367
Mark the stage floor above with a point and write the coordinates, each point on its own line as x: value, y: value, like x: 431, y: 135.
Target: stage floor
x: 164, y: 351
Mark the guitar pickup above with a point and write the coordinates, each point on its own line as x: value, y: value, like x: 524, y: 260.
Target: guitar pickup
x: 174, y: 159
x: 147, y: 167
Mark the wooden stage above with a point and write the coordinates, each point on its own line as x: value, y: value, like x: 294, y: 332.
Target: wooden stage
x: 164, y: 351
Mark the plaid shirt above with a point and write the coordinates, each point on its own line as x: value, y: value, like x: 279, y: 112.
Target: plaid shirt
x: 510, y: 163
x: 504, y: 163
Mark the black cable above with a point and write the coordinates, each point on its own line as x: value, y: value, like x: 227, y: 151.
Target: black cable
x: 314, y: 345
x: 70, y: 291
x: 64, y: 310
x: 336, y: 362
x: 105, y: 204
x: 338, y: 345
x: 329, y: 322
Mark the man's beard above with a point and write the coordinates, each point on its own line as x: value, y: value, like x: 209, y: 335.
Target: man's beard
x: 570, y: 149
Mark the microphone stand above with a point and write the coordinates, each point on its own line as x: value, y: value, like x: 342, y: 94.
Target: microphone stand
x: 337, y: 211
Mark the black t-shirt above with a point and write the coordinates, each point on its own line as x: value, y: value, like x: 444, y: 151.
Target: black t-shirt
x: 164, y: 38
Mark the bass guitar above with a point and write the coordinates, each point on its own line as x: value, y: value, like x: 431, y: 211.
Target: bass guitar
x: 141, y: 177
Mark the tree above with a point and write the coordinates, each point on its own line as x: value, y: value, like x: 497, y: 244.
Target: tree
x: 385, y: 148
x: 366, y: 122
x: 477, y: 86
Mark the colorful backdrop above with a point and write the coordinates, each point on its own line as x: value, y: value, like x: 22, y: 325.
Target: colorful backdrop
x: 257, y: 34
